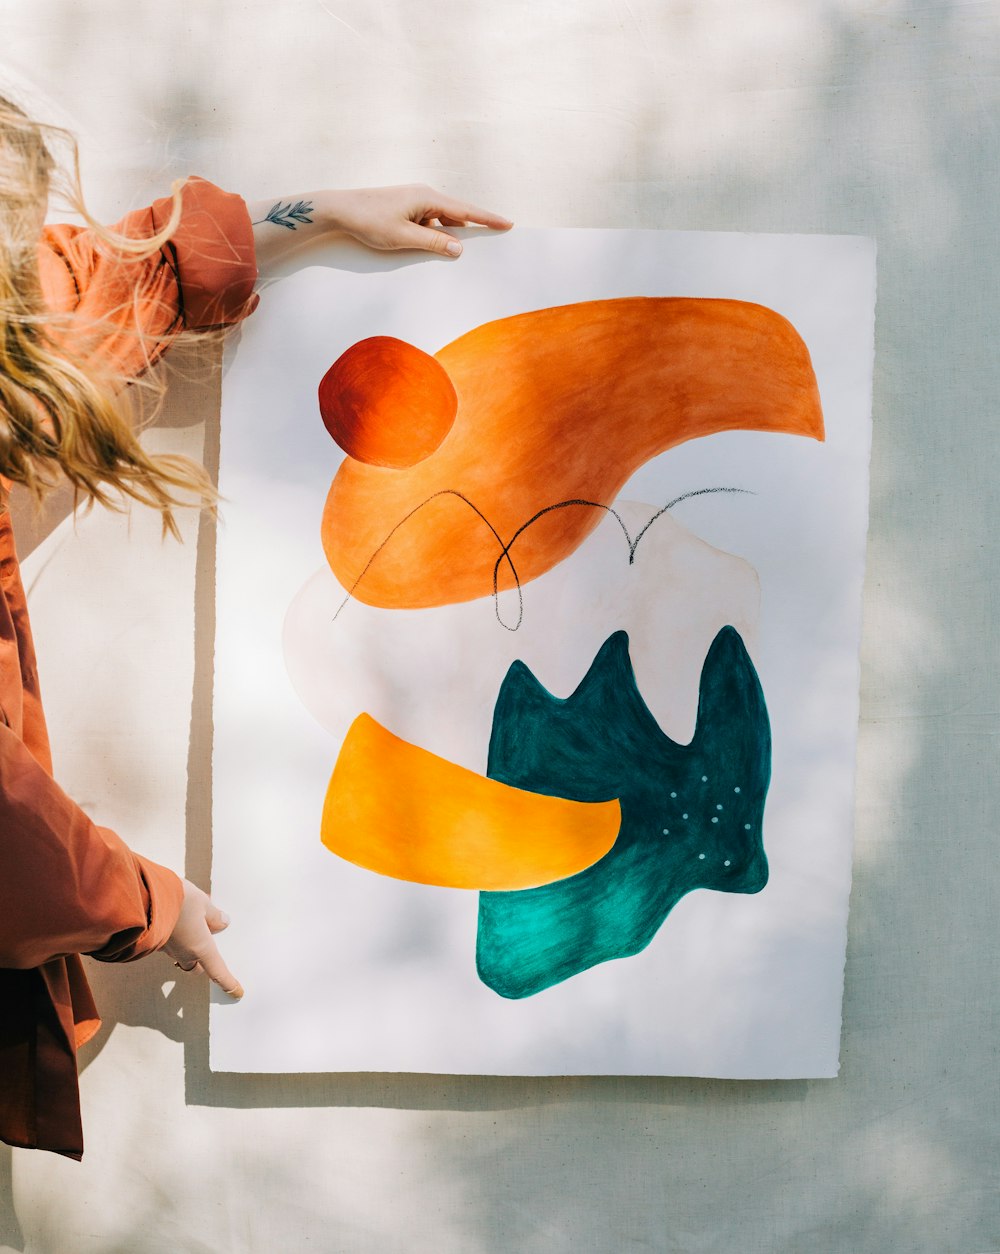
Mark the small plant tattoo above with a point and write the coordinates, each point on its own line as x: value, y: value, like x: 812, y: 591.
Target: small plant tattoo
x: 289, y: 215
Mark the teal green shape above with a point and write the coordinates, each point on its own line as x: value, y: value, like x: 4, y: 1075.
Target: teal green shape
x: 692, y: 814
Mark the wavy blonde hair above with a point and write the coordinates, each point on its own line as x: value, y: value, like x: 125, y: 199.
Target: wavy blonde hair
x: 61, y: 413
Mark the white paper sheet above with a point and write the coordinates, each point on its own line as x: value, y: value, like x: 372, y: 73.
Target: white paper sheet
x: 347, y: 970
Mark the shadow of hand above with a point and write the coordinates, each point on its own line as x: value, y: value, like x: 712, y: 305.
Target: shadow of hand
x: 150, y: 993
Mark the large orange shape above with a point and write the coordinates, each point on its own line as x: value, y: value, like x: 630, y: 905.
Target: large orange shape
x: 558, y: 405
x: 401, y: 811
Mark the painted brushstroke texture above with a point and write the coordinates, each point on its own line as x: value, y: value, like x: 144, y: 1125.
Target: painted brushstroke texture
x: 398, y: 810
x: 691, y: 814
x: 556, y: 408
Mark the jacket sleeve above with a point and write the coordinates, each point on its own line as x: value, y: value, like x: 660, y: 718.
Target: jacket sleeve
x: 125, y: 310
x: 67, y: 885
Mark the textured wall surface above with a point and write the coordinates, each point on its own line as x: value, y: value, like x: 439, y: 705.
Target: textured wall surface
x: 876, y: 117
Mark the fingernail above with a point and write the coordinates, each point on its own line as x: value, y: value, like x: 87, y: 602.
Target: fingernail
x: 235, y: 993
x: 454, y: 248
x: 225, y: 918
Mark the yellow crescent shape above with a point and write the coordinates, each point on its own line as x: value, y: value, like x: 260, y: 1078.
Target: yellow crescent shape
x: 402, y: 811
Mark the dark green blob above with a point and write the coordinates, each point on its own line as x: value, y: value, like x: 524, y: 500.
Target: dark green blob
x: 600, y: 743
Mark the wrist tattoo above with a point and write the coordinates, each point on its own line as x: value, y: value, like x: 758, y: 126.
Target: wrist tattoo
x: 290, y: 215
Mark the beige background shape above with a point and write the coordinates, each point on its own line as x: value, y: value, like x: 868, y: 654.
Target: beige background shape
x: 774, y: 115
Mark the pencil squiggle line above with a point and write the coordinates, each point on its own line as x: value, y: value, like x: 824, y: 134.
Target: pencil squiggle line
x: 633, y: 542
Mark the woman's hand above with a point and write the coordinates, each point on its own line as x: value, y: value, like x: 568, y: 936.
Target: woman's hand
x: 385, y: 218
x: 192, y: 942
x: 407, y: 217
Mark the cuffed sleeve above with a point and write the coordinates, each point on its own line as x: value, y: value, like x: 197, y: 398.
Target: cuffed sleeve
x: 212, y: 255
x: 127, y: 309
x: 69, y: 886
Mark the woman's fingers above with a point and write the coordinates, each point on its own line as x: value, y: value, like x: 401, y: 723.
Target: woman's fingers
x: 210, y: 961
x: 216, y: 919
x: 448, y: 212
x: 191, y: 944
x: 460, y: 213
x: 413, y: 235
x: 483, y: 217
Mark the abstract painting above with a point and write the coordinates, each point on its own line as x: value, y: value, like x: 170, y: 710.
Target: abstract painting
x: 536, y: 657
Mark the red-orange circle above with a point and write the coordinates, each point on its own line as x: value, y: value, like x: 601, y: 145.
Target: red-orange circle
x: 387, y: 403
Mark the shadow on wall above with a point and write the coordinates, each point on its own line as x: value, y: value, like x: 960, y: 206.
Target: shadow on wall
x: 10, y: 1230
x: 190, y: 380
x: 868, y: 143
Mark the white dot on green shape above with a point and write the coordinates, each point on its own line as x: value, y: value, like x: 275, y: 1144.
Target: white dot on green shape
x: 666, y: 831
x: 718, y: 807
x: 714, y: 819
x: 701, y: 857
x: 704, y: 779
x: 673, y: 794
x: 735, y: 790
x: 746, y: 827
x: 683, y: 816
x: 726, y: 863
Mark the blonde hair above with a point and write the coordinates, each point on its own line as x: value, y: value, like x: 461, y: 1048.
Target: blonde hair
x: 60, y: 412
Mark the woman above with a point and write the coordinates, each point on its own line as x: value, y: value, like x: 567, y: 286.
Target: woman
x: 84, y: 311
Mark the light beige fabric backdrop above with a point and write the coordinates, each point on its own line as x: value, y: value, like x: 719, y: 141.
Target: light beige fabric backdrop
x: 877, y: 118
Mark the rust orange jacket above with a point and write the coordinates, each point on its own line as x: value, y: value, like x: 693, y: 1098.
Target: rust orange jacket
x: 67, y: 886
